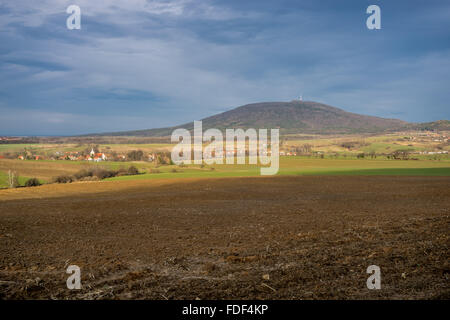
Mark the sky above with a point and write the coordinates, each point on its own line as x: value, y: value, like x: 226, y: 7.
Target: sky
x: 137, y: 64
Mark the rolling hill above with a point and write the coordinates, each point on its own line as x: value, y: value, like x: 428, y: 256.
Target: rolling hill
x: 290, y: 117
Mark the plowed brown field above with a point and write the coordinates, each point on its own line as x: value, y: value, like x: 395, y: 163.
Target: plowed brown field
x: 232, y: 238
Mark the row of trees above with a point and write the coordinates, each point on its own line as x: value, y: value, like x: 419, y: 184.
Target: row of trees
x: 13, y: 180
x: 160, y: 158
x: 96, y: 173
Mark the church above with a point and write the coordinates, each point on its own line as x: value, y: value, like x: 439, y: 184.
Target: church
x: 96, y: 157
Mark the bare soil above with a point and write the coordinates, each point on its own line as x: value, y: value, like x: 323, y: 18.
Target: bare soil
x: 232, y: 238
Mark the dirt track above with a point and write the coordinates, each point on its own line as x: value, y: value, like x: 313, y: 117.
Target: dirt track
x: 215, y: 239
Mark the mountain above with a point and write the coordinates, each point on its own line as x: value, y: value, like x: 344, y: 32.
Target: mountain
x: 290, y: 117
x: 300, y: 117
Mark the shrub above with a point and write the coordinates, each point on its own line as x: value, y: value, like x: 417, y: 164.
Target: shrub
x: 82, y: 174
x: 63, y: 179
x: 89, y: 179
x: 160, y: 160
x: 103, y: 173
x: 163, y: 158
x: 100, y: 173
x: 135, y: 155
x: 306, y: 148
x: 354, y: 144
x: 155, y: 171
x: 132, y: 171
x: 348, y: 144
x: 33, y: 182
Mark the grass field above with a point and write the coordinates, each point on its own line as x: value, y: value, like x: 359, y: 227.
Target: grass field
x: 378, y: 144
x: 292, y: 166
x: 73, y: 147
x: 338, y: 158
x: 16, y: 147
x: 43, y: 170
x: 4, y: 180
x: 307, y: 166
x: 46, y: 170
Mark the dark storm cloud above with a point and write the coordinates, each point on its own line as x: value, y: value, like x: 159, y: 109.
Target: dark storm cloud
x: 140, y: 64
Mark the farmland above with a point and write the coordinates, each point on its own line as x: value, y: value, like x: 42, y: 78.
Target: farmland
x: 225, y: 232
x: 416, y: 153
x: 304, y: 237
x: 46, y: 170
x: 240, y: 151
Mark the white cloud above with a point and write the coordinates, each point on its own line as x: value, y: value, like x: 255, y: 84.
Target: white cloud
x: 16, y: 121
x: 191, y: 73
x: 35, y: 13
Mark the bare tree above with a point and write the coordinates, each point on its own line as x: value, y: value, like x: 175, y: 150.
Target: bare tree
x: 13, y: 179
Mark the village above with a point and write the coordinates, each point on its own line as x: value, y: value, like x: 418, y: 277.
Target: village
x: 92, y: 156
x: 135, y: 155
x: 404, y: 145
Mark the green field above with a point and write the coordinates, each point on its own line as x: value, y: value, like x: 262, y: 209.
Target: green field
x: 380, y: 144
x: 16, y: 147
x: 4, y: 180
x: 305, y: 166
x: 288, y: 166
x: 329, y: 156
x: 41, y: 149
